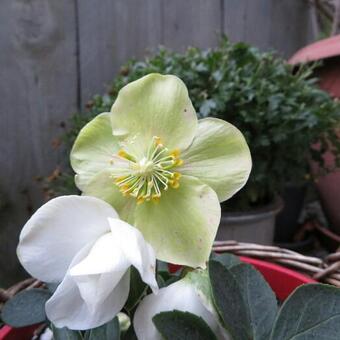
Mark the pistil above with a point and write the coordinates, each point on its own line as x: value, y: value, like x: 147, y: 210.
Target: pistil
x: 149, y: 176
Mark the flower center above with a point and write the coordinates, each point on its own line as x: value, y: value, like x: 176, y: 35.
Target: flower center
x: 145, y: 179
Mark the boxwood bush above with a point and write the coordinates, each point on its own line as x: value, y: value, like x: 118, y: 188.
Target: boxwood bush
x: 280, y: 110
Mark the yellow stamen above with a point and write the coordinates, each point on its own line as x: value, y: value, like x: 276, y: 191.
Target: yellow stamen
x: 125, y: 187
x: 146, y: 177
x: 174, y: 184
x: 155, y: 198
x: 178, y: 162
x: 176, y: 175
x: 158, y: 140
x: 124, y: 154
x: 120, y: 178
x: 175, y: 153
x: 140, y: 200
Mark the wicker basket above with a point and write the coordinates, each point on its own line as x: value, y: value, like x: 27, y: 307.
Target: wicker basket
x: 327, y: 270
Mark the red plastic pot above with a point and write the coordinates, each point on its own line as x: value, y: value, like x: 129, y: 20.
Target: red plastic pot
x: 9, y: 333
x: 282, y: 280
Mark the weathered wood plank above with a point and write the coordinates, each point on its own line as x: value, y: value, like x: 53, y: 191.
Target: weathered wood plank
x: 38, y: 87
x: 258, y: 23
x: 112, y: 32
x: 249, y: 21
x: 191, y: 23
x: 276, y: 24
x: 290, y: 26
x: 235, y: 19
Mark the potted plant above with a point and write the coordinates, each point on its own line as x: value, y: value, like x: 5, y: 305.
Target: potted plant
x: 151, y: 193
x: 279, y: 112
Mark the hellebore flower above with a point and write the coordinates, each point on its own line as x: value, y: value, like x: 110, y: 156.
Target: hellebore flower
x: 81, y: 242
x: 164, y: 171
x: 184, y: 295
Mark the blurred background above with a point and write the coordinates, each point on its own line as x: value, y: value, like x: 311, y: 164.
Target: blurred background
x: 55, y: 56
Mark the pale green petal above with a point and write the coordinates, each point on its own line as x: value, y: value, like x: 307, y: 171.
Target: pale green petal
x: 102, y: 186
x: 182, y: 226
x: 219, y: 156
x: 154, y: 105
x: 199, y: 279
x: 93, y: 149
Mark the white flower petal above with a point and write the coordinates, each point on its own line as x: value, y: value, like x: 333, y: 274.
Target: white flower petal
x: 138, y: 252
x: 180, y: 296
x: 58, y: 230
x: 67, y: 308
x: 103, y: 267
x: 105, y: 256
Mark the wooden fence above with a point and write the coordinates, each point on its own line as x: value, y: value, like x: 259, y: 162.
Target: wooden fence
x: 54, y: 55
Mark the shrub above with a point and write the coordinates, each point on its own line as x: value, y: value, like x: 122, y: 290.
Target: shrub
x: 280, y: 111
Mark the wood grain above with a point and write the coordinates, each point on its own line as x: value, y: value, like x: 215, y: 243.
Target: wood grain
x: 112, y: 33
x: 284, y: 26
x: 38, y: 87
x: 191, y: 23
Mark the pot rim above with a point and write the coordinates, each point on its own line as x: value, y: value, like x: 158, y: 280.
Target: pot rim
x: 266, y: 211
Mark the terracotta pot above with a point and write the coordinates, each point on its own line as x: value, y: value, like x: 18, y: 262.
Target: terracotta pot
x: 328, y: 188
x: 327, y: 50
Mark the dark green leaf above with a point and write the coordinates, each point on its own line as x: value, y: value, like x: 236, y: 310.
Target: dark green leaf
x: 229, y: 301
x: 160, y: 281
x: 312, y: 312
x: 109, y: 331
x: 65, y: 334
x: 137, y: 289
x: 243, y: 299
x: 228, y: 260
x: 172, y: 279
x: 259, y: 298
x: 52, y: 287
x: 26, y: 308
x: 130, y: 334
x: 177, y: 325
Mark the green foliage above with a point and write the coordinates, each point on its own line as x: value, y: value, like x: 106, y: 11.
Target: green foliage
x: 137, y: 291
x: 280, y: 111
x: 177, y: 325
x: 243, y: 299
x: 26, y: 308
x: 228, y: 260
x: 248, y: 308
x: 311, y: 312
x: 65, y: 334
x: 245, y: 306
x: 109, y: 331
